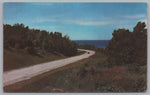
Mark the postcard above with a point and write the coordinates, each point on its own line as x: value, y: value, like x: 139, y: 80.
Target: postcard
x: 74, y: 47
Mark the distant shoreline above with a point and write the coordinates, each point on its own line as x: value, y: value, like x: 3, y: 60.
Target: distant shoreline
x: 91, y: 40
x: 96, y: 43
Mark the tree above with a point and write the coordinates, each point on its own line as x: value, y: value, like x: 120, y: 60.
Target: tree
x: 36, y: 41
x: 128, y: 47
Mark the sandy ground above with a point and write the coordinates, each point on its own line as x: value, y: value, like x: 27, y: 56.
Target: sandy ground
x: 14, y: 76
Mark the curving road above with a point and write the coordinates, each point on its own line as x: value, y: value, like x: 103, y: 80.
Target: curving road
x: 14, y: 76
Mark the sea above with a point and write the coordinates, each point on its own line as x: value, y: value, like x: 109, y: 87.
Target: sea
x: 96, y: 43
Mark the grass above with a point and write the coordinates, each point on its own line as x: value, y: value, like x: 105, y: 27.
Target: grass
x: 18, y: 86
x: 89, y: 75
x: 15, y: 59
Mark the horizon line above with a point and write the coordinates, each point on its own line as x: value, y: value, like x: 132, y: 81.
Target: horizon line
x: 90, y: 40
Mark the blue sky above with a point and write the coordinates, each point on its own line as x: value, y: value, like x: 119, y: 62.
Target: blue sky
x: 80, y: 21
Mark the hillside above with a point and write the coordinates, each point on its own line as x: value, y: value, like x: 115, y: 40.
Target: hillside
x: 14, y: 59
x: 24, y: 47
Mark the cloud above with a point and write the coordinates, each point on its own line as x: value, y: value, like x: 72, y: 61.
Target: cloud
x: 75, y: 21
x: 129, y: 25
x: 124, y: 26
x: 41, y: 4
x: 48, y: 28
x: 81, y: 22
x: 41, y: 20
x: 135, y: 16
x: 143, y: 20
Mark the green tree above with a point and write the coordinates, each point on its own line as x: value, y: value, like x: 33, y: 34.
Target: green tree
x: 37, y: 42
x: 128, y: 47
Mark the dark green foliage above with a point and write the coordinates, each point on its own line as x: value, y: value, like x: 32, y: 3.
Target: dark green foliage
x: 128, y: 48
x: 37, y: 42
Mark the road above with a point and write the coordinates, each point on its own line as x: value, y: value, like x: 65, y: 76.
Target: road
x: 14, y: 76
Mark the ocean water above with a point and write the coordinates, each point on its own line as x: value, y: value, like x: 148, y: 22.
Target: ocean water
x: 96, y: 43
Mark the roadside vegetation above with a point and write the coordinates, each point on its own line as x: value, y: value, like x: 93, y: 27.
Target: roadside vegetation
x: 25, y: 47
x: 120, y: 67
x: 15, y: 59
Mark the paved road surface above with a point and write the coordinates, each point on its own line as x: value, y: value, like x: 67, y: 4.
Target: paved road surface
x: 14, y: 76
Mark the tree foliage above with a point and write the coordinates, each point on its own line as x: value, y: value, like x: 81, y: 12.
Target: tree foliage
x: 128, y: 47
x: 37, y: 42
